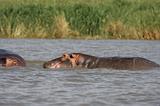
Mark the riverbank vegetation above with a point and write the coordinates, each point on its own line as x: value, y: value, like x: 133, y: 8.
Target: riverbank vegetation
x: 80, y: 19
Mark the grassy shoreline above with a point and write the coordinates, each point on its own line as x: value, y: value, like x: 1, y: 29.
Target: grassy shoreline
x: 81, y: 19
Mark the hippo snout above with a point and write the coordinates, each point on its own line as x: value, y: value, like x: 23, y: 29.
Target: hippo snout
x: 45, y: 65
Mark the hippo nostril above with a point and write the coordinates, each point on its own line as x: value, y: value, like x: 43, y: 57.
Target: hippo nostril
x: 44, y: 65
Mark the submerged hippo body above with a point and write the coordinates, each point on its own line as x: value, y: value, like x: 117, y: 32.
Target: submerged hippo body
x: 79, y: 60
x: 10, y: 59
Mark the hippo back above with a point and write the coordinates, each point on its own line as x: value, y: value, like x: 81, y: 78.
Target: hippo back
x: 127, y: 63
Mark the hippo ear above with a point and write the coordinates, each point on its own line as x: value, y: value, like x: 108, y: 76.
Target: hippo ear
x: 65, y: 56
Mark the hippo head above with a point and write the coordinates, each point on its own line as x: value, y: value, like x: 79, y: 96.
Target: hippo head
x: 60, y: 62
x: 73, y: 60
x: 10, y: 62
x: 10, y: 59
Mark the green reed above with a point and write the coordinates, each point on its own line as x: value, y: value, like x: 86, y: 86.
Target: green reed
x: 87, y: 19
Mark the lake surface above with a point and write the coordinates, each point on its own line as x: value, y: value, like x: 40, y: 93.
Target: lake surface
x: 35, y: 86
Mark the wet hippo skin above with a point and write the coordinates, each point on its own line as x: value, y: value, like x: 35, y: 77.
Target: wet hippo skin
x: 79, y: 60
x: 10, y: 59
x: 57, y: 63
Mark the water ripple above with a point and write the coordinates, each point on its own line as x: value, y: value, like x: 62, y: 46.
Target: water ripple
x: 35, y: 86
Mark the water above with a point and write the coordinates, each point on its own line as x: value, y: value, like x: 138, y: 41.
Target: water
x: 35, y: 86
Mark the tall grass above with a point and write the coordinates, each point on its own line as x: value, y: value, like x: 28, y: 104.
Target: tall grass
x: 92, y: 19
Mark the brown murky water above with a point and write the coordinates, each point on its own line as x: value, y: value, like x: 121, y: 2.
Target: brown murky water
x: 35, y: 86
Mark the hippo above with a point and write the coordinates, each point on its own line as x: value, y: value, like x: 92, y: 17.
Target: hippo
x: 80, y: 60
x: 10, y: 59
